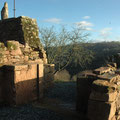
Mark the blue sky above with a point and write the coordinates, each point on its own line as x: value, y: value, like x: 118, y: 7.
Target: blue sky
x: 99, y: 17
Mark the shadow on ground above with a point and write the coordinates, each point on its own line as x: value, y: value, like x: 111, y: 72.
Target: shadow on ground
x: 62, y: 100
x: 58, y: 104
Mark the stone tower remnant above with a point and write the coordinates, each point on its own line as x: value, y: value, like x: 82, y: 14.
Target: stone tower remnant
x: 4, y: 11
x: 23, y: 61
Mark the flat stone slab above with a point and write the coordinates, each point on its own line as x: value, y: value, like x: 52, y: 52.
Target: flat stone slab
x: 106, y: 97
x: 102, y: 70
x: 87, y: 73
x: 109, y: 77
x: 103, y: 86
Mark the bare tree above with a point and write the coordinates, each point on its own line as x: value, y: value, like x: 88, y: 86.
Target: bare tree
x: 66, y: 47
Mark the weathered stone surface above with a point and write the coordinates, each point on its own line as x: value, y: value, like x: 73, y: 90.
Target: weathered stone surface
x: 22, y: 60
x: 112, y: 64
x: 48, y: 75
x: 101, y: 110
x: 49, y: 68
x: 103, y: 86
x: 107, y: 97
x: 25, y: 83
x: 4, y: 11
x: 103, y: 93
x: 87, y: 73
x: 118, y: 102
x: 109, y: 77
x: 84, y: 85
x: 114, y: 118
x: 15, y: 29
x: 102, y: 70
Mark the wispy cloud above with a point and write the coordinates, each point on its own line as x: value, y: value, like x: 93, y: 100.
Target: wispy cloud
x: 86, y: 17
x: 89, y: 29
x: 105, y: 35
x: 105, y: 32
x: 84, y: 24
x: 53, y: 20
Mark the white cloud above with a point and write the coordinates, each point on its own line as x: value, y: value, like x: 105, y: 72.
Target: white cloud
x: 84, y: 24
x: 53, y: 20
x: 89, y: 29
x: 86, y: 17
x: 105, y: 32
x: 105, y: 35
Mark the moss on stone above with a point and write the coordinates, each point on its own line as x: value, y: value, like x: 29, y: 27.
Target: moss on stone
x: 31, y: 32
x: 1, y: 55
x: 11, y: 46
x: 2, y: 46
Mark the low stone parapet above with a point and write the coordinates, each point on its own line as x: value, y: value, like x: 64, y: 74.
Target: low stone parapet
x: 22, y: 83
x: 98, y: 93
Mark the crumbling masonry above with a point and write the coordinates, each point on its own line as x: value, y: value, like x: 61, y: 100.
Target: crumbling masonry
x: 98, y: 93
x: 24, y: 72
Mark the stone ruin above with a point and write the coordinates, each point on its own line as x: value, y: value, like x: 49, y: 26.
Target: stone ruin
x: 98, y: 93
x: 4, y: 11
x: 24, y: 72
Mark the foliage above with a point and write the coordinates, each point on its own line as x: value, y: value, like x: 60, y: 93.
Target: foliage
x: 103, y: 52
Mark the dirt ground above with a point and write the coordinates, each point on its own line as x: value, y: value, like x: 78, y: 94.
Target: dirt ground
x: 62, y: 100
x: 58, y: 104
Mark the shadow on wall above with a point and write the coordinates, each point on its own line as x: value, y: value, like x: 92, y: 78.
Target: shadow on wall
x: 21, y: 92
x: 21, y: 83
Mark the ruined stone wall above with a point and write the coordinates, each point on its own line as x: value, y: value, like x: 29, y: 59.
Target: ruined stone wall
x: 20, y: 83
x: 22, y: 29
x: 49, y: 70
x: 24, y: 72
x: 14, y: 53
x: 99, y: 94
x: 25, y: 31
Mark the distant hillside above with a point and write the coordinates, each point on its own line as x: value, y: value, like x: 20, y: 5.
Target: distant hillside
x: 101, y: 53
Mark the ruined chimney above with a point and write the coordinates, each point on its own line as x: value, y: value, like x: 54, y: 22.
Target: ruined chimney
x: 4, y: 11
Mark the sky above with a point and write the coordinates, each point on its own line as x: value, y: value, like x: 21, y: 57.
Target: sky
x: 100, y: 18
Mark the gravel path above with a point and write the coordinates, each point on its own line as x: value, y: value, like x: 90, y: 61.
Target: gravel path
x: 27, y: 112
x: 59, y: 104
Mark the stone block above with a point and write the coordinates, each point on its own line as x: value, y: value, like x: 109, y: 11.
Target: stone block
x: 84, y: 85
x: 114, y: 118
x: 118, y: 117
x: 102, y: 70
x: 103, y: 86
x: 49, y: 68
x: 49, y: 77
x: 106, y: 97
x: 101, y: 110
x: 118, y: 102
x: 23, y: 83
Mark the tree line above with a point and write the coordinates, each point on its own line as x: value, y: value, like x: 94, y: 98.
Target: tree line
x: 73, y: 50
